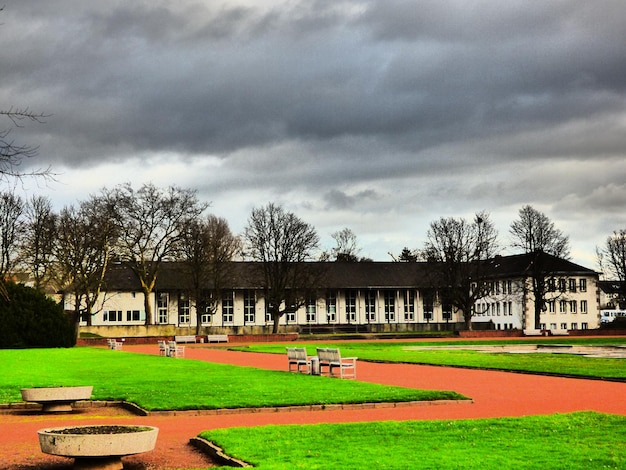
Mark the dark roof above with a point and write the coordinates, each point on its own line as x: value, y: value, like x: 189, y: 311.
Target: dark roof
x: 612, y: 287
x: 338, y: 275
x: 514, y: 265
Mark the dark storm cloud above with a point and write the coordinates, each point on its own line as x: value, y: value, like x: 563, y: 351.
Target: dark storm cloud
x: 347, y: 105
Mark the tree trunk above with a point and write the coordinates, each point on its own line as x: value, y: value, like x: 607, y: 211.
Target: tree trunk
x: 276, y: 319
x: 148, y: 307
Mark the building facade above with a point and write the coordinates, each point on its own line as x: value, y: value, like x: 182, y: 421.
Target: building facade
x: 363, y: 296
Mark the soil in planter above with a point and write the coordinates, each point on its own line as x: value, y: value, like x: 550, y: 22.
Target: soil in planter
x: 103, y: 429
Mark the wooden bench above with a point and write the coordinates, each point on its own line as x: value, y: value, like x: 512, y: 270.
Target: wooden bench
x: 185, y: 338
x: 297, y: 357
x: 217, y: 338
x: 331, y: 358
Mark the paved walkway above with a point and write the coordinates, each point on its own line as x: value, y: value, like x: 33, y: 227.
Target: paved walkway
x: 495, y: 394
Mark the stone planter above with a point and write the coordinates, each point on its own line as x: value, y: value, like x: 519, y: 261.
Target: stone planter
x: 98, y: 446
x: 56, y: 398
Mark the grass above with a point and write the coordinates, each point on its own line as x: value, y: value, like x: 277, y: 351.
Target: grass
x: 571, y: 441
x: 162, y: 383
x: 406, y: 352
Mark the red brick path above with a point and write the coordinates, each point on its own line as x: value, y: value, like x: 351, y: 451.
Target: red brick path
x: 495, y: 394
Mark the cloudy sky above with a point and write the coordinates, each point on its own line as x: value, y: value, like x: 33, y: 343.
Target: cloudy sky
x: 376, y: 115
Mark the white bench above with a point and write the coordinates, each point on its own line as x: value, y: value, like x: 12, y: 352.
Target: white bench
x: 297, y: 357
x: 331, y: 358
x: 217, y: 338
x: 174, y: 350
x: 115, y: 344
x: 185, y: 338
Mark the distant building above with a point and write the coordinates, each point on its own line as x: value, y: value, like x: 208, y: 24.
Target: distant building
x: 359, y: 296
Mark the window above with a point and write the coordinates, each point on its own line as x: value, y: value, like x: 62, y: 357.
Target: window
x: 207, y: 316
x: 574, y: 326
x: 350, y: 306
x: 551, y: 306
x: 564, y: 326
x: 132, y: 315
x: 572, y: 306
x: 446, y: 311
x: 227, y: 307
x: 409, y: 305
x: 112, y: 315
x: 583, y: 306
x: 562, y: 306
x: 572, y: 285
x: 562, y: 285
x: 583, y: 326
x: 509, y: 287
x: 331, y: 306
x: 542, y: 326
x: 553, y: 326
x: 551, y: 284
x: 311, y: 310
x: 497, y: 287
x: 249, y: 306
x: 429, y: 301
x: 162, y: 304
x: 291, y: 317
x: 582, y: 285
x: 183, y: 309
x: 390, y: 306
x: 370, y: 305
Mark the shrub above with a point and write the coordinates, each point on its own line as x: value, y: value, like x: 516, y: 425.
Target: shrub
x: 30, y: 319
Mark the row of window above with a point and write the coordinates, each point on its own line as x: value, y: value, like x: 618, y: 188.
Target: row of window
x: 117, y: 315
x: 563, y: 326
x: 567, y: 305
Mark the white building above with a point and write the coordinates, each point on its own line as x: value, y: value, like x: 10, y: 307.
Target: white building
x: 363, y: 296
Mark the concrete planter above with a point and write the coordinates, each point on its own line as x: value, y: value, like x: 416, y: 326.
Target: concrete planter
x: 56, y: 398
x: 98, y: 446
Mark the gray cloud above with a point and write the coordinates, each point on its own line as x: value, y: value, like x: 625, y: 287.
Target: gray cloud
x: 346, y: 109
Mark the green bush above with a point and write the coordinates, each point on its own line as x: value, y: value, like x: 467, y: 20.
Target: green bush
x: 30, y: 319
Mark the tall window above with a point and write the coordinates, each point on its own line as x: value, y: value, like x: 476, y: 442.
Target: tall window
x: 311, y: 309
x: 562, y: 286
x: 370, y: 305
x: 551, y: 306
x: 429, y: 305
x: 162, y: 304
x: 409, y: 305
x: 183, y: 309
x: 582, y: 285
x: 249, y: 306
x: 572, y: 285
x: 350, y: 306
x: 572, y: 306
x: 133, y: 315
x: 583, y: 306
x: 446, y: 311
x: 331, y: 306
x: 562, y: 306
x: 227, y: 307
x: 390, y: 306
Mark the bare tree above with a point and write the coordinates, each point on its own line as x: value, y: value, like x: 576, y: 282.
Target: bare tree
x: 457, y: 253
x: 347, y: 248
x: 207, y: 248
x: 11, y: 227
x: 612, y: 258
x: 152, y: 222
x: 535, y: 234
x: 86, y: 237
x: 281, y: 243
x: 37, y: 250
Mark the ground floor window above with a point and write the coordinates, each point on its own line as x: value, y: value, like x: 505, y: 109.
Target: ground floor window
x: 112, y: 315
x: 184, y: 309
x: 409, y: 305
x: 249, y: 306
x: 227, y: 308
x: 331, y: 307
x: 133, y: 315
x: 370, y: 306
x: 390, y: 306
x: 311, y: 310
x: 350, y: 306
x: 162, y: 304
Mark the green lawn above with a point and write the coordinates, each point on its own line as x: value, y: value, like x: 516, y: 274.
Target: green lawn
x: 562, y: 364
x: 163, y: 383
x: 571, y: 441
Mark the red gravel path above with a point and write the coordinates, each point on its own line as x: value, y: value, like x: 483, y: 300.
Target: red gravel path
x: 495, y: 394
